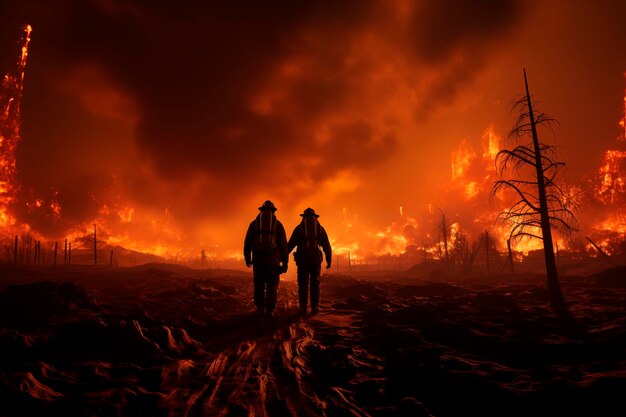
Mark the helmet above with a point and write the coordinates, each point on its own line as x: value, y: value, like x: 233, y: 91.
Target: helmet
x: 309, y: 212
x: 268, y: 205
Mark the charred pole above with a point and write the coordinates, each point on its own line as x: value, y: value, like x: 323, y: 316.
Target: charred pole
x: 508, y: 246
x: 15, y: 253
x: 349, y: 262
x: 487, y: 252
x: 95, y: 246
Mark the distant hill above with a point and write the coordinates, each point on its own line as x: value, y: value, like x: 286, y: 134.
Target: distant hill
x: 121, y: 256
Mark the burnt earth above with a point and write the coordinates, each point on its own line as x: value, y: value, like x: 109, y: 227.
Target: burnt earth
x: 168, y: 341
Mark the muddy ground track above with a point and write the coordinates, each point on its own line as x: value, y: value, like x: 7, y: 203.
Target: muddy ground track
x: 266, y: 376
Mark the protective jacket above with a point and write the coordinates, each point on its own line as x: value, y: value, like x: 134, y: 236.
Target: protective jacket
x: 309, y: 236
x: 266, y: 241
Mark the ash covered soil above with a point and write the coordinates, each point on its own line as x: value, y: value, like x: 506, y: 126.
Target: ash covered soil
x: 163, y: 340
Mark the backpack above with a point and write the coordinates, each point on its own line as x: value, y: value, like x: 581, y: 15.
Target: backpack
x: 308, y: 248
x: 265, y: 233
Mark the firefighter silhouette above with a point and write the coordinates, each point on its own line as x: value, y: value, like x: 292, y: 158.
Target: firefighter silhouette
x: 265, y: 249
x: 309, y: 236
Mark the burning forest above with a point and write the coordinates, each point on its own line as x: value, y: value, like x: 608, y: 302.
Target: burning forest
x: 413, y: 236
x: 269, y: 209
x: 412, y: 233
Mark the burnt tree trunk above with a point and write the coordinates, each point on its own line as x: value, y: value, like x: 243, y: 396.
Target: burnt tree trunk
x: 508, y: 246
x: 554, y: 288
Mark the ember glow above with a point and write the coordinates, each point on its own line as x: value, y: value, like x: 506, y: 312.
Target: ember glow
x: 167, y: 126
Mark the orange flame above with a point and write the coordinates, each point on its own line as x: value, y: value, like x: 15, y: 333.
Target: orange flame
x: 491, y: 144
x: 461, y: 160
x: 622, y: 122
x: 612, y: 180
x: 10, y: 123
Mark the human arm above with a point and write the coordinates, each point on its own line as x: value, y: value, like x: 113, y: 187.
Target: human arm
x: 247, y: 245
x: 281, y: 242
x: 325, y: 244
x: 294, y: 239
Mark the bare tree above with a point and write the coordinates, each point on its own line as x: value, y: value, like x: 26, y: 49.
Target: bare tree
x: 541, y: 203
x: 463, y: 254
x: 444, y: 229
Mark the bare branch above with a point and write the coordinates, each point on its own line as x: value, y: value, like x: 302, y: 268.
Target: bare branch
x: 507, y: 184
x: 506, y: 157
x: 521, y: 235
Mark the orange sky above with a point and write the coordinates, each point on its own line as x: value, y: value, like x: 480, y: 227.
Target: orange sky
x: 171, y: 125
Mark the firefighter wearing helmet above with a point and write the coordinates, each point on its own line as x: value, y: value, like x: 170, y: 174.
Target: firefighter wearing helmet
x: 265, y: 249
x: 309, y: 236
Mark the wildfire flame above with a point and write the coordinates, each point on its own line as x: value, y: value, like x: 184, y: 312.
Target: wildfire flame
x: 622, y: 122
x: 461, y: 160
x: 612, y: 183
x: 491, y: 145
x: 10, y: 123
x: 610, y: 190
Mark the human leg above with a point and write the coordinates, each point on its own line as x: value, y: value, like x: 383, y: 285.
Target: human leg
x: 273, y: 278
x: 303, y: 286
x: 315, y: 286
x: 259, y: 290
